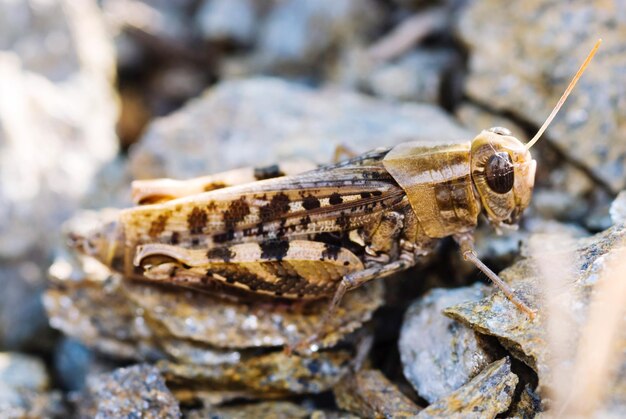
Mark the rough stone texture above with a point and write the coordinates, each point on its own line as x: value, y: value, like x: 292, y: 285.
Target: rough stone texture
x: 137, y: 391
x: 540, y: 45
x: 23, y: 388
x: 219, y: 130
x: 486, y: 395
x: 528, y: 405
x: 57, y: 119
x: 584, y: 261
x: 439, y: 355
x: 262, y: 376
x: 223, y: 324
x: 275, y: 410
x: 368, y: 393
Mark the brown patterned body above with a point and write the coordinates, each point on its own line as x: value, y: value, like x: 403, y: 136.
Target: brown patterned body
x: 297, y: 236
x: 308, y: 235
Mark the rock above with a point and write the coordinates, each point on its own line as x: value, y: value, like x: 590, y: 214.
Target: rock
x: 228, y: 21
x: 296, y: 122
x: 440, y: 355
x: 418, y: 76
x: 57, y: 127
x: 272, y: 409
x: 72, y: 363
x: 23, y: 388
x: 618, y: 208
x: 478, y: 119
x: 22, y: 371
x: 367, y: 393
x: 528, y: 405
x: 525, y: 72
x: 262, y: 375
x: 26, y: 403
x: 581, y: 263
x: 298, y: 33
x: 224, y: 324
x: 137, y: 391
x: 22, y: 283
x: 486, y: 395
x: 57, y: 116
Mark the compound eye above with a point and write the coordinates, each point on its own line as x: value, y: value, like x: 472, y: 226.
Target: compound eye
x: 500, y: 131
x: 499, y: 172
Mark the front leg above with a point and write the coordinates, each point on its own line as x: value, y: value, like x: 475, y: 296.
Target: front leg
x: 466, y: 243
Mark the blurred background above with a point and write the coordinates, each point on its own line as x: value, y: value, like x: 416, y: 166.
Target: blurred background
x: 94, y: 94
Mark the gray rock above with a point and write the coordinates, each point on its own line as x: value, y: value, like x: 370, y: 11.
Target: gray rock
x: 368, y: 393
x: 227, y: 20
x: 23, y: 388
x: 440, y: 355
x: 57, y: 116
x: 262, y: 121
x: 72, y: 361
x: 299, y: 32
x: 618, y: 208
x: 488, y: 394
x: 560, y: 279
x: 23, y: 322
x: 137, y: 391
x: 418, y: 76
x: 525, y: 74
x: 23, y: 371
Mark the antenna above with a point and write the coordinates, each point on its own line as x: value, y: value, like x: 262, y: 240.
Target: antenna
x: 569, y: 89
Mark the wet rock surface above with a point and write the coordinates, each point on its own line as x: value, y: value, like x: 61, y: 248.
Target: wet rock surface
x: 438, y: 354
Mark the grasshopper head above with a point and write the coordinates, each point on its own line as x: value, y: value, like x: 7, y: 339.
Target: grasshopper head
x: 503, y: 173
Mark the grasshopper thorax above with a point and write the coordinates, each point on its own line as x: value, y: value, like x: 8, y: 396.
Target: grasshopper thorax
x: 503, y: 173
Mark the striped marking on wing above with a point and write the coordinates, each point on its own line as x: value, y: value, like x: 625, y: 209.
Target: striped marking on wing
x: 292, y: 269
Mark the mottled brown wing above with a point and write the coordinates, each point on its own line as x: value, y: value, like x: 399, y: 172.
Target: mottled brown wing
x: 335, y: 198
x: 290, y: 269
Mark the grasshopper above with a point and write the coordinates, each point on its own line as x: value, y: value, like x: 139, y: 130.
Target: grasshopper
x: 325, y: 231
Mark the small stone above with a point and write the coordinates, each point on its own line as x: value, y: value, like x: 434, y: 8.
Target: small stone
x: 368, y: 393
x: 137, y: 391
x: 23, y: 371
x: 227, y: 21
x: 486, y: 395
x: 438, y: 354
